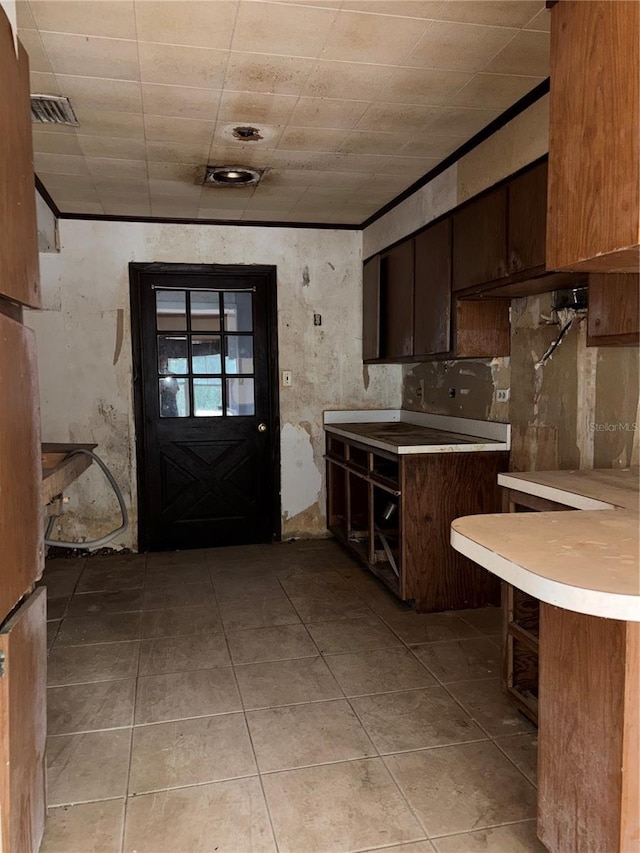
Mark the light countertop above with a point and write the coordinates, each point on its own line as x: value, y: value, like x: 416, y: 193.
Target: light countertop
x: 401, y: 432
x: 586, y: 559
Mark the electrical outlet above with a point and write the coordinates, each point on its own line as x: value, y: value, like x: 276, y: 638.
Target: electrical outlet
x: 420, y: 390
x: 287, y: 379
x: 317, y: 319
x: 502, y: 395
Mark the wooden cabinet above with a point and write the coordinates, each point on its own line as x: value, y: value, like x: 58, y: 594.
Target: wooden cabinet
x: 480, y: 240
x: 19, y: 271
x: 432, y: 297
x: 23, y: 726
x: 593, y: 220
x: 394, y: 513
x: 396, y: 301
x: 527, y: 220
x: 371, y: 309
x: 614, y: 309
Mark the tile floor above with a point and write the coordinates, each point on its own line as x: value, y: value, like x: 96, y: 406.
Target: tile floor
x: 274, y: 698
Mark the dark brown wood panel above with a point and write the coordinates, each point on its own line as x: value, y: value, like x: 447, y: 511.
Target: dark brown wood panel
x: 480, y: 240
x: 482, y: 328
x: 445, y: 486
x: 528, y: 219
x: 371, y: 308
x: 21, y: 534
x: 582, y: 722
x: 614, y: 309
x: 594, y: 149
x: 19, y: 271
x: 432, y: 301
x: 396, y: 274
x: 23, y: 726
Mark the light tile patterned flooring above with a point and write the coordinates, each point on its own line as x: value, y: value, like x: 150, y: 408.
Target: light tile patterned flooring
x: 274, y: 698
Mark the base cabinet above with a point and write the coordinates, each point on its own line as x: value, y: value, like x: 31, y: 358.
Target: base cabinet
x: 393, y: 512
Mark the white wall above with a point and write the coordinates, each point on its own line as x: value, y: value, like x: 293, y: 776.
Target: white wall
x: 84, y: 349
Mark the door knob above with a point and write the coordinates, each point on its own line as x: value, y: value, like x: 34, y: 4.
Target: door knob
x: 262, y: 427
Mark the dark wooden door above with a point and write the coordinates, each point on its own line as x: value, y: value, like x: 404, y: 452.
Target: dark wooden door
x: 396, y: 282
x: 206, y: 401
x: 432, y: 302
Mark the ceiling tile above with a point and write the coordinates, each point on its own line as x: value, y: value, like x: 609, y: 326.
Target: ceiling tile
x: 176, y: 152
x: 106, y: 146
x: 282, y: 75
x: 311, y: 139
x: 495, y: 90
x: 184, y: 66
x: 32, y: 43
x: 225, y: 135
x: 369, y: 142
x: 95, y: 93
x: 253, y: 214
x: 110, y: 18
x: 182, y: 173
x: 41, y: 83
x: 24, y: 16
x: 89, y: 56
x: 528, y: 53
x: 461, y: 47
x: 255, y: 108
x: 199, y: 23
x: 360, y: 37
x: 334, y: 79
x: 123, y: 206
x: 223, y: 199
x: 287, y: 30
x: 61, y: 164
x: 112, y: 189
x: 69, y: 187
x: 410, y: 167
x: 110, y: 124
x: 328, y: 112
x: 55, y: 143
x: 88, y: 207
x: 186, y: 190
x: 541, y: 22
x: 213, y: 214
x: 171, y: 129
x: 172, y: 209
x: 180, y: 101
x: 228, y: 155
x: 306, y: 177
x: 105, y: 167
x: 433, y: 147
x: 445, y: 121
x: 430, y: 86
x: 499, y: 13
x: 402, y: 8
x: 283, y: 203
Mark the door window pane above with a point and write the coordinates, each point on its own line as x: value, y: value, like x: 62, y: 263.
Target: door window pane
x: 171, y: 312
x: 205, y: 312
x: 174, y: 397
x: 238, y: 311
x: 207, y: 397
x: 205, y: 351
x: 238, y: 354
x: 240, y: 400
x: 172, y: 354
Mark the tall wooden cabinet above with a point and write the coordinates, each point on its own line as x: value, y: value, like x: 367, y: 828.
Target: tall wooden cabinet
x: 22, y: 612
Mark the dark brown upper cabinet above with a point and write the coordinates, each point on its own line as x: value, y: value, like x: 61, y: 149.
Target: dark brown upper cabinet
x: 480, y: 240
x: 396, y: 301
x: 614, y: 310
x: 593, y: 219
x: 527, y: 220
x: 371, y: 308
x: 432, y: 295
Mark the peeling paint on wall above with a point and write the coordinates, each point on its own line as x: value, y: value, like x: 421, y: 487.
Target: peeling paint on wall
x: 298, y: 492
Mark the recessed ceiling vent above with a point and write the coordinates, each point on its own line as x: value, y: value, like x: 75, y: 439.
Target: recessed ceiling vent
x: 52, y: 109
x: 231, y: 176
x: 247, y: 133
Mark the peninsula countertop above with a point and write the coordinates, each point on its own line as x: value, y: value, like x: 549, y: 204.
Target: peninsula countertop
x: 401, y: 432
x: 586, y: 559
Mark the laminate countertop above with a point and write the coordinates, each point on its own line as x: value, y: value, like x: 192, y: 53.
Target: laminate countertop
x: 586, y: 559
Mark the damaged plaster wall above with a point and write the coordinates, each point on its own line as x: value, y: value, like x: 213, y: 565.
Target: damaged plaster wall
x: 85, y: 361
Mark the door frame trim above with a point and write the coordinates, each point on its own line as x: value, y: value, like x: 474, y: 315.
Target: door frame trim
x: 268, y: 273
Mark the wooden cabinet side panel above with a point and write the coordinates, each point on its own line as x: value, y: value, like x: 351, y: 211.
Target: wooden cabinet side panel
x: 437, y: 488
x: 371, y: 308
x: 19, y: 270
x: 582, y: 681
x: 397, y: 301
x: 21, y: 534
x: 614, y: 310
x: 432, y: 302
x: 527, y: 229
x: 23, y: 708
x: 594, y: 149
x: 630, y: 805
x: 480, y: 240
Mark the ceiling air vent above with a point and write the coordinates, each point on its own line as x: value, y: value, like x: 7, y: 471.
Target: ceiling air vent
x: 52, y: 109
x: 231, y: 176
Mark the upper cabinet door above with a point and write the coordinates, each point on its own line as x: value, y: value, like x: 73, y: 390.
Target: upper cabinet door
x: 371, y: 309
x: 396, y: 287
x: 593, y: 219
x: 432, y: 305
x: 528, y: 219
x: 19, y: 273
x: 480, y: 240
